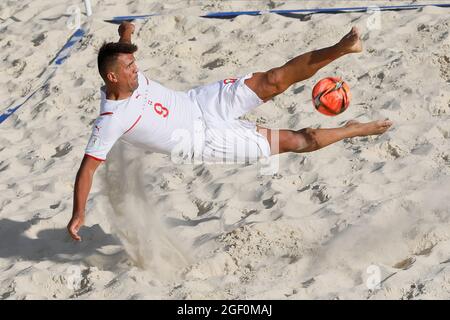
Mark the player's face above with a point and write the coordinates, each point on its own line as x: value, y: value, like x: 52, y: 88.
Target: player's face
x: 127, y: 71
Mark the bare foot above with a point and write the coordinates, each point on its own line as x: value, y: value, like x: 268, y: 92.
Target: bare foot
x: 370, y: 128
x: 351, y: 43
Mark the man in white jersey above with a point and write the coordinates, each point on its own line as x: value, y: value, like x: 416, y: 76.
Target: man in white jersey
x: 203, y: 122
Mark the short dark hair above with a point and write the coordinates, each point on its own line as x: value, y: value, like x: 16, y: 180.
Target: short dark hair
x: 108, y: 53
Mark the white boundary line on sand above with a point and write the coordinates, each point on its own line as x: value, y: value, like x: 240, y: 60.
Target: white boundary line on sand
x: 48, y: 73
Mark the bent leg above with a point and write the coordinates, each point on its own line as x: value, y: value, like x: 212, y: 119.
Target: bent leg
x: 308, y: 139
x: 275, y: 81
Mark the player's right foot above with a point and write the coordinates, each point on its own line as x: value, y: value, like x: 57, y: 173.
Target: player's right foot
x: 351, y: 42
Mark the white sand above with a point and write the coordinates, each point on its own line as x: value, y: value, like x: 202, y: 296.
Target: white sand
x: 326, y: 226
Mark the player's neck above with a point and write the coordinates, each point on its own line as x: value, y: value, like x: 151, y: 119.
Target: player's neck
x: 116, y: 94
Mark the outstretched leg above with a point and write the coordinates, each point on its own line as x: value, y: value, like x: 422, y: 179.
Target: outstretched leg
x: 308, y: 139
x: 275, y: 81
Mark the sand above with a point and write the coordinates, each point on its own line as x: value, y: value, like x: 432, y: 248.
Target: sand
x: 365, y: 218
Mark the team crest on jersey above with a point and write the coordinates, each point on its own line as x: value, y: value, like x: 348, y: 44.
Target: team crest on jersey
x: 229, y: 80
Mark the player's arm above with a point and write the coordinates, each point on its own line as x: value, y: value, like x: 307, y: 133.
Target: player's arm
x: 83, y: 183
x: 126, y: 29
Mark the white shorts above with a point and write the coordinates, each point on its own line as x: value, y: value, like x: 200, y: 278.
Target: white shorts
x: 226, y: 138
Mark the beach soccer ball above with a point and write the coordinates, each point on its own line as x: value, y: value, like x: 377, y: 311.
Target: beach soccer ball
x: 331, y: 96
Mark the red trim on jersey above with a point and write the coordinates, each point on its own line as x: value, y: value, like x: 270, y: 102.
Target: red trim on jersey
x: 106, y: 113
x: 135, y: 123
x: 95, y: 158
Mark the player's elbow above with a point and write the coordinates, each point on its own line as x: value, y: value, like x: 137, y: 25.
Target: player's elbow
x: 276, y: 80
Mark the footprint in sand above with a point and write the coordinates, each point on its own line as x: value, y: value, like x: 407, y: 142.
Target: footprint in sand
x: 246, y: 213
x: 444, y: 66
x: 79, y: 82
x: 307, y: 283
x: 425, y: 252
x: 3, y: 165
x: 307, y: 187
x: 293, y: 121
x: 291, y: 109
x: 405, y: 264
x: 269, y: 203
x: 381, y: 76
x: 18, y: 66
x: 48, y: 187
x: 55, y: 206
x: 154, y: 45
x: 423, y: 28
x: 414, y: 291
x: 393, y: 151
x: 62, y: 150
x: 39, y: 39
x: 320, y: 193
x: 214, y: 64
x: 203, y: 173
x: 203, y: 206
x: 214, y: 49
x: 377, y: 166
x: 299, y: 89
x: 422, y: 149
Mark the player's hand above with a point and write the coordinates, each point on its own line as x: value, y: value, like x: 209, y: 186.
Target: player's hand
x: 126, y: 28
x: 74, y: 226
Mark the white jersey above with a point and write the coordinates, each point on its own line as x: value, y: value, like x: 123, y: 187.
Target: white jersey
x: 153, y: 117
x: 202, y: 123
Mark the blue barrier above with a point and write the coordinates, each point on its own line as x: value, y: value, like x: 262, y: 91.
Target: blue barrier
x: 60, y: 57
x: 64, y: 53
x: 233, y: 14
x: 323, y: 10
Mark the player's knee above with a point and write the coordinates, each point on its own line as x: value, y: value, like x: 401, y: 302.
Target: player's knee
x: 305, y: 140
x: 289, y: 141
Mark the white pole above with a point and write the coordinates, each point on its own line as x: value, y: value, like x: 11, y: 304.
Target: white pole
x: 87, y: 4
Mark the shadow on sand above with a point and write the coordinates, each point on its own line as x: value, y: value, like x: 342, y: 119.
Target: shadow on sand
x: 56, y: 245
